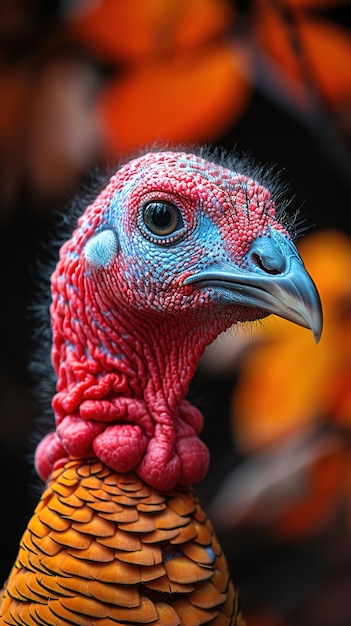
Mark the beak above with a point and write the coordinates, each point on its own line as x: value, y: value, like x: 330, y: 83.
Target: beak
x: 272, y: 279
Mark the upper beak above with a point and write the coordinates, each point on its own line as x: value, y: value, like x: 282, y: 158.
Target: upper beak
x: 273, y: 279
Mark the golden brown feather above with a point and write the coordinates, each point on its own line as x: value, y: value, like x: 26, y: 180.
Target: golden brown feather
x: 105, y: 549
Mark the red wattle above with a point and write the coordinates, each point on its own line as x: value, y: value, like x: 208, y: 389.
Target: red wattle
x: 48, y: 452
x: 195, y: 460
x: 120, y: 446
x: 77, y: 434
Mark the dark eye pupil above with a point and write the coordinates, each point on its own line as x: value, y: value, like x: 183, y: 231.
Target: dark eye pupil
x: 161, y: 215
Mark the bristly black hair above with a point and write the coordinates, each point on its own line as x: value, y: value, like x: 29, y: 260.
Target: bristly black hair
x: 267, y: 175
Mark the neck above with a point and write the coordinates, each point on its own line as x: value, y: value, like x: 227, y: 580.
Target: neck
x: 121, y: 390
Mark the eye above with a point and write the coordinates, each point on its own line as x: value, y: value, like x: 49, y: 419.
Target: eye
x: 162, y: 218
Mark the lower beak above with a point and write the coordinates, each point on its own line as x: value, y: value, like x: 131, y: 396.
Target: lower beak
x: 274, y: 280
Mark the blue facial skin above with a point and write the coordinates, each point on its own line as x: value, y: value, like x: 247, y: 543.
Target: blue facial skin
x: 149, y: 264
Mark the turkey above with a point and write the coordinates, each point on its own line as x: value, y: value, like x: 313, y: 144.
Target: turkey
x: 174, y: 250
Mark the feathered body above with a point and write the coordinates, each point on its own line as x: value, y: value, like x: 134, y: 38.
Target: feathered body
x: 104, y: 548
x: 173, y: 251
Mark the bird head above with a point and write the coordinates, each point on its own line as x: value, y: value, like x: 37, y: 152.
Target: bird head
x: 174, y: 234
x: 173, y: 251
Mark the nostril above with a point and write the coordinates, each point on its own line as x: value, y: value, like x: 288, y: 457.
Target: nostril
x: 267, y: 255
x: 266, y: 264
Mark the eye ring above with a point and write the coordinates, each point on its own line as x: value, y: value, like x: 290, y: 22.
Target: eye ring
x: 162, y: 218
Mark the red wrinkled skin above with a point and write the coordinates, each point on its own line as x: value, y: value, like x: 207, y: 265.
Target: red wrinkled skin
x: 128, y: 334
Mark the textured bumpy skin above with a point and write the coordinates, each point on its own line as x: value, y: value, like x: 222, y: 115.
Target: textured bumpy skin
x: 128, y: 333
x: 105, y: 549
x: 173, y: 251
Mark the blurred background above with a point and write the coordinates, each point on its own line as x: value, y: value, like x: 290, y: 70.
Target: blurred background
x: 93, y: 81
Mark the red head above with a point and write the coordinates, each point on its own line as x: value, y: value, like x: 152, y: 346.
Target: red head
x: 173, y: 251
